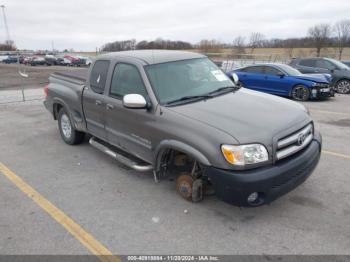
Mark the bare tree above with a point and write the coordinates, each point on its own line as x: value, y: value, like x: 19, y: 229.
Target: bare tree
x: 342, y: 31
x: 320, y: 35
x: 256, y: 40
x: 210, y: 45
x: 239, y: 44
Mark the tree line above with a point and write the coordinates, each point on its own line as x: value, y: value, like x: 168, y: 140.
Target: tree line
x: 318, y: 36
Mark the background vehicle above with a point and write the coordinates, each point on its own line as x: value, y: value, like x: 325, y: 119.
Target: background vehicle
x: 283, y: 80
x: 63, y: 62
x: 339, y: 71
x: 346, y: 62
x: 10, y: 60
x: 50, y: 60
x: 37, y: 60
x: 178, y: 114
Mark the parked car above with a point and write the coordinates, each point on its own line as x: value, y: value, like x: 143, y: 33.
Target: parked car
x: 50, y: 60
x: 284, y: 80
x: 339, y: 71
x: 3, y: 57
x: 27, y: 60
x: 63, y: 62
x: 347, y: 62
x: 88, y: 61
x: 177, y: 113
x: 75, y: 61
x: 10, y: 60
x: 37, y: 60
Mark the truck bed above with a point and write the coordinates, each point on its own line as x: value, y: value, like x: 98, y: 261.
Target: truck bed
x: 80, y: 74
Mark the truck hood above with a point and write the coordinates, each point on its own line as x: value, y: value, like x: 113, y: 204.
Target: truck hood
x: 319, y: 78
x: 248, y: 116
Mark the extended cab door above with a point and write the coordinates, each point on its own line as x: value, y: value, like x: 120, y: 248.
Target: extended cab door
x: 129, y: 129
x: 94, y: 106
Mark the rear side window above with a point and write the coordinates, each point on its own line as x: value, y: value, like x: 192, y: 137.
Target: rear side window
x: 308, y: 62
x: 271, y: 70
x: 98, y: 76
x: 127, y: 80
x: 324, y: 64
x: 254, y: 69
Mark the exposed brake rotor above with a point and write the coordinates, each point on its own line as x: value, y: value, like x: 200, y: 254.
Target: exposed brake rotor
x: 189, y: 188
x: 184, y: 184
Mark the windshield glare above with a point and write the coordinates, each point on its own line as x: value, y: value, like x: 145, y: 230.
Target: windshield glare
x: 290, y: 70
x: 194, y: 77
x: 338, y: 64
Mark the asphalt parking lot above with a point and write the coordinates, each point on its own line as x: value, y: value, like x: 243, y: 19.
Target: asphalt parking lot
x: 128, y: 213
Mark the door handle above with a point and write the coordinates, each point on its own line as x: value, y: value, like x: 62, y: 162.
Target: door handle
x: 109, y: 106
x: 98, y: 102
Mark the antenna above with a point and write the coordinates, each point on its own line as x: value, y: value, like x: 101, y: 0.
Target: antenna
x: 6, y: 26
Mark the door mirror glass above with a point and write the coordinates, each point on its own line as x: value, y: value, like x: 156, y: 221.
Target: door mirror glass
x: 235, y: 78
x: 134, y: 101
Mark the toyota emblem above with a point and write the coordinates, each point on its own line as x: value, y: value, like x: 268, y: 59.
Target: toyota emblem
x: 301, y: 139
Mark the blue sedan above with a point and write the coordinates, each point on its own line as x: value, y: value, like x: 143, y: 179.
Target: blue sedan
x: 284, y: 80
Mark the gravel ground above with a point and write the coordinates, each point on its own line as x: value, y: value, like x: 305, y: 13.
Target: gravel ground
x: 38, y: 76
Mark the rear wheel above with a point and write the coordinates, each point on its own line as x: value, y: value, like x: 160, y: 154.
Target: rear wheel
x: 343, y: 86
x: 300, y: 93
x: 67, y: 131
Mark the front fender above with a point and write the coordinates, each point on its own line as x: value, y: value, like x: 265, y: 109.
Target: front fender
x: 179, y: 146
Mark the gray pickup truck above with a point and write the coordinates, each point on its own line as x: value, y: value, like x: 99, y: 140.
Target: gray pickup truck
x: 178, y: 114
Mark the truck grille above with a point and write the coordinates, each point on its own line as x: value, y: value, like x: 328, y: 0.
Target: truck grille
x: 295, y: 142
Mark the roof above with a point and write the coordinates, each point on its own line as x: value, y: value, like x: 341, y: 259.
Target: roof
x: 155, y: 56
x: 266, y: 64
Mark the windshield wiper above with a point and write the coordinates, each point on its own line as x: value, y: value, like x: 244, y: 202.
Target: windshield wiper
x: 187, y: 98
x: 224, y: 89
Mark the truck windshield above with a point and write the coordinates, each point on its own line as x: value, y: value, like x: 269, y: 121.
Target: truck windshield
x: 198, y: 77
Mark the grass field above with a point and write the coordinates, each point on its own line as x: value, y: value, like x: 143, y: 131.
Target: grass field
x: 273, y: 53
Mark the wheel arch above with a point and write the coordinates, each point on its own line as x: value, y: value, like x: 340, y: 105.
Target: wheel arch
x: 166, y: 145
x: 341, y: 79
x: 306, y: 84
x: 57, y: 105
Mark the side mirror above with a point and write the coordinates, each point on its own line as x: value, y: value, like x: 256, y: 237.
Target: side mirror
x: 235, y: 78
x: 281, y: 75
x: 134, y: 101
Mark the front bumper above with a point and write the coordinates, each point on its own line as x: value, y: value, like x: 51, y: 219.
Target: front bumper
x: 326, y: 92
x: 269, y: 182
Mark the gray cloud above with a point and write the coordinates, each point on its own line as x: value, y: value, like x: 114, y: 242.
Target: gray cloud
x: 86, y: 24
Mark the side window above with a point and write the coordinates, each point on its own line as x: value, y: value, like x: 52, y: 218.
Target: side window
x: 98, y: 76
x: 127, y: 80
x: 324, y: 64
x: 254, y: 69
x: 271, y: 71
x: 308, y: 63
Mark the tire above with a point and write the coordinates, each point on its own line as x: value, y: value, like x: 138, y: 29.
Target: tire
x: 343, y: 86
x: 300, y: 93
x: 67, y: 131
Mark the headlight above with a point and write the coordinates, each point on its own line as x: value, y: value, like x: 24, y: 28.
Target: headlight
x: 245, y: 154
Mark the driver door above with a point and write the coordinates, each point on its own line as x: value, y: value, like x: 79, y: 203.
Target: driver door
x: 129, y: 129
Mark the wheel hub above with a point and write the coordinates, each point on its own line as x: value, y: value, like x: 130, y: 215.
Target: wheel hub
x: 343, y: 87
x: 66, y: 126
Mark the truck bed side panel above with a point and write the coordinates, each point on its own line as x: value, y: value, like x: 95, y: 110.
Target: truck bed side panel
x: 67, y: 91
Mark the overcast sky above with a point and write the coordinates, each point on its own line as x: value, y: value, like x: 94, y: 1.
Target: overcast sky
x: 87, y: 24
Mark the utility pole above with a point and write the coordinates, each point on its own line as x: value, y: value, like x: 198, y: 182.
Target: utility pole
x: 6, y: 26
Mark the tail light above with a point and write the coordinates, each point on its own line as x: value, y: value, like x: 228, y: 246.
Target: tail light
x: 46, y: 90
